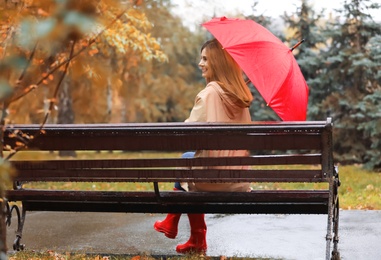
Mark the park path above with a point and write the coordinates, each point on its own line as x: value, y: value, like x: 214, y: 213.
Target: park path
x: 252, y: 236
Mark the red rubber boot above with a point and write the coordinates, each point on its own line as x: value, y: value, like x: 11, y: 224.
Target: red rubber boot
x: 197, y: 240
x: 169, y: 225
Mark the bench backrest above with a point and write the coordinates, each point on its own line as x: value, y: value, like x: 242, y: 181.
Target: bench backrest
x: 307, y: 145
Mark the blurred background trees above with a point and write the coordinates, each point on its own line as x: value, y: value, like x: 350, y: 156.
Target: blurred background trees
x: 135, y: 61
x: 69, y: 61
x: 352, y: 72
x: 108, y: 39
x: 341, y: 62
x: 112, y: 61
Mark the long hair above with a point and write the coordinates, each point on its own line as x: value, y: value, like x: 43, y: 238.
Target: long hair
x: 226, y: 72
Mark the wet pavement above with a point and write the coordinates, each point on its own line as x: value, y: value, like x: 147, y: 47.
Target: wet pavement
x: 248, y: 236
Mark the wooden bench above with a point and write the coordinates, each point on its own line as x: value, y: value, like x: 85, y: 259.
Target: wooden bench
x: 279, y: 152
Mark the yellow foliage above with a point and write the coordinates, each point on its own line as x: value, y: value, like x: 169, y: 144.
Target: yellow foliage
x: 129, y: 34
x: 111, y: 39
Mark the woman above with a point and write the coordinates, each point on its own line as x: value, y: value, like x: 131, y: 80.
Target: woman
x: 226, y: 98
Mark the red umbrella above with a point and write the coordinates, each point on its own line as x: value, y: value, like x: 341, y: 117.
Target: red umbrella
x: 267, y: 62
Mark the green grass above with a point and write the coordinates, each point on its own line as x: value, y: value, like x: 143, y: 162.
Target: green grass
x: 360, y: 189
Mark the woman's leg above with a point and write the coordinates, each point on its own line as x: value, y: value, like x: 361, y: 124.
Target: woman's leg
x: 188, y: 155
x: 197, y: 240
x: 178, y: 186
x: 169, y: 225
x: 184, y: 155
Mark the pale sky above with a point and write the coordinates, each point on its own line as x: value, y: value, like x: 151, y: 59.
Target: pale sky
x: 198, y: 11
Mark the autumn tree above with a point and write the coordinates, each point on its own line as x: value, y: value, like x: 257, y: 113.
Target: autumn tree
x: 50, y: 50
x: 122, y: 54
x: 96, y: 74
x: 167, y: 90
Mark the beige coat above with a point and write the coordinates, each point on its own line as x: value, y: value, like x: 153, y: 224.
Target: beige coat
x: 212, y: 104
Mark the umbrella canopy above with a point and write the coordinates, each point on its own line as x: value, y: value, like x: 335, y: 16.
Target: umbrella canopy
x: 267, y: 62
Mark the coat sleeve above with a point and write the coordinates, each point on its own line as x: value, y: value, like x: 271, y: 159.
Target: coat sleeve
x: 204, y: 108
x: 198, y: 113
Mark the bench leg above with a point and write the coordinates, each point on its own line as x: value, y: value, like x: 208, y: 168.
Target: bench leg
x: 335, y: 251
x: 333, y: 220
x: 20, y: 224
x: 336, y: 207
x: 328, y: 237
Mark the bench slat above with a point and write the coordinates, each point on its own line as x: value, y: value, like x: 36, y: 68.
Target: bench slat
x: 180, y: 143
x: 171, y: 175
x: 170, y: 196
x: 280, y: 202
x: 154, y: 207
x: 175, y: 137
x: 308, y: 159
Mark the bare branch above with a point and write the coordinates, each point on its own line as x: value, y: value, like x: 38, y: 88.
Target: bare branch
x: 91, y: 41
x: 27, y: 65
x: 50, y: 72
x: 51, y: 105
x: 52, y: 101
x: 24, y: 93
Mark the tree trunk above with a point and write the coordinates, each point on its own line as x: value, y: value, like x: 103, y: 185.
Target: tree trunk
x: 3, y: 244
x: 3, y: 233
x: 65, y: 110
x: 109, y: 100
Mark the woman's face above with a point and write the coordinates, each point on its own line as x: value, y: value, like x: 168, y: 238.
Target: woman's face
x: 203, y: 64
